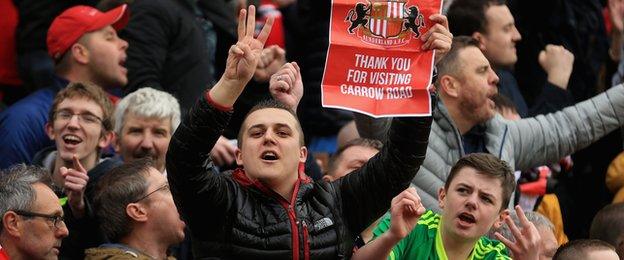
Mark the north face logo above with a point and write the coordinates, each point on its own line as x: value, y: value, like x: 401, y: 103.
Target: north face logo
x: 323, y: 224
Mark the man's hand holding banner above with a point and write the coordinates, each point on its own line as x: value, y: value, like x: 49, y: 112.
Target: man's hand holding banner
x: 380, y: 56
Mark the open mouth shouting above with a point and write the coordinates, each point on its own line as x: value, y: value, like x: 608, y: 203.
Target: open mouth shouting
x: 269, y: 156
x: 466, y: 220
x: 122, y: 64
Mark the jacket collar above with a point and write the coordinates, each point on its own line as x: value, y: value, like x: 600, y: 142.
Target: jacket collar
x: 241, y: 178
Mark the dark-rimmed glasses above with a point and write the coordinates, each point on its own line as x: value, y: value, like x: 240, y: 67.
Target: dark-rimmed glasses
x: 163, y: 187
x: 87, y: 118
x: 56, y: 220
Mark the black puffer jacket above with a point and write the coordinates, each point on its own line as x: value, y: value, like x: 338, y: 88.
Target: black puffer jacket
x: 233, y: 217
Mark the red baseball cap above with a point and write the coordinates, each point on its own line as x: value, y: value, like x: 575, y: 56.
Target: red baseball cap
x: 68, y: 27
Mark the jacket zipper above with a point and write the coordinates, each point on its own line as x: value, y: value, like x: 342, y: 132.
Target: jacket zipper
x: 294, y: 224
x: 288, y: 206
x: 294, y: 229
x: 500, y: 152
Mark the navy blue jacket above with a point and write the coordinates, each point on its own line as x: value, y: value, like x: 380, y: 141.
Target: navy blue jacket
x: 22, y: 126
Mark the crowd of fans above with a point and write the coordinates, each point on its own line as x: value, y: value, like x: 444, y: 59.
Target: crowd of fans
x: 173, y: 129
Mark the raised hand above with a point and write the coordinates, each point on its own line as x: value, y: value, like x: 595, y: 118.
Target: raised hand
x: 558, y: 63
x: 272, y: 58
x: 224, y: 152
x: 286, y: 85
x: 76, y: 179
x: 438, y: 37
x: 243, y: 58
x: 405, y: 209
x: 527, y: 244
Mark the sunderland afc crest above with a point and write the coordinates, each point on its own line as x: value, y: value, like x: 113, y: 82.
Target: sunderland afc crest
x: 388, y: 23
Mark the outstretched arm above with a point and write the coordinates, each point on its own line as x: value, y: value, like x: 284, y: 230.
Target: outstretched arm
x: 547, y: 138
x: 198, y: 192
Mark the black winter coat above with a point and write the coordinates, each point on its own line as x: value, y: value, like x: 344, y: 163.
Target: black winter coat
x: 167, y: 48
x: 232, y: 217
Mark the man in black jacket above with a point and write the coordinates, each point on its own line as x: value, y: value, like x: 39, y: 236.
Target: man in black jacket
x: 268, y: 208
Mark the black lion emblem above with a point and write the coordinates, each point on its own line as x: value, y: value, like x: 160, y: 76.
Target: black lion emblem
x: 360, y: 12
x: 414, y: 20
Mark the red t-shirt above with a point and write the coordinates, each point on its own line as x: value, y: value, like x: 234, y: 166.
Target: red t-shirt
x: 3, y: 254
x: 8, y: 53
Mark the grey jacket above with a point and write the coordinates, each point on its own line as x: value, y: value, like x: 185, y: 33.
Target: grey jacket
x: 523, y: 144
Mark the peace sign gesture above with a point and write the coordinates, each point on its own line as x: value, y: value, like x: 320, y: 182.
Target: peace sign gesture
x: 243, y: 57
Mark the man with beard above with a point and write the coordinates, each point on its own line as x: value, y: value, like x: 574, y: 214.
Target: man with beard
x: 490, y: 23
x: 80, y: 126
x: 474, y: 199
x: 144, y: 122
x: 465, y: 121
x: 83, y: 43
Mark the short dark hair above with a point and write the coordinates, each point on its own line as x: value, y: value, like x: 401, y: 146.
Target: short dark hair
x: 489, y: 165
x: 578, y: 249
x: 365, y: 142
x: 270, y: 103
x: 466, y: 17
x: 608, y: 224
x: 449, y: 65
x: 121, y: 186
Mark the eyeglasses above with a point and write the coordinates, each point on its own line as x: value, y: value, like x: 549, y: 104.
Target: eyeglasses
x: 56, y: 220
x: 163, y: 187
x: 87, y: 118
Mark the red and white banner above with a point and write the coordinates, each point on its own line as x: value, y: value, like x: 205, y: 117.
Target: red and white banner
x: 375, y: 63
